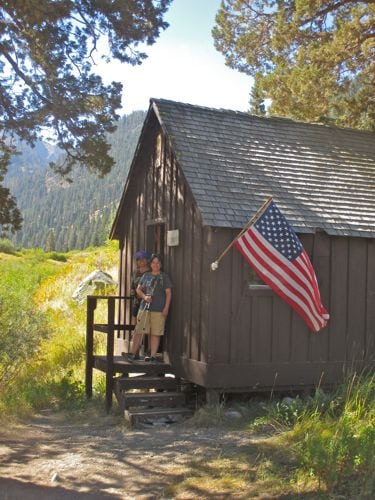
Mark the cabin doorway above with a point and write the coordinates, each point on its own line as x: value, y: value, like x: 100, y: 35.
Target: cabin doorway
x: 156, y: 238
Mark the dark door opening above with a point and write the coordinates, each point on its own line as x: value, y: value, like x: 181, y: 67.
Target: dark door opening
x: 156, y: 238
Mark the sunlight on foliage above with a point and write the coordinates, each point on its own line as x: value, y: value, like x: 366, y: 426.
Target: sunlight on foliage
x: 42, y: 343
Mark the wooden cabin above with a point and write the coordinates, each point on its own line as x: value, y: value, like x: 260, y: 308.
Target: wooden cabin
x: 197, y: 176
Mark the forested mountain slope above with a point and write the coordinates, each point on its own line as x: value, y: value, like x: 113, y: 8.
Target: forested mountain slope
x: 62, y: 216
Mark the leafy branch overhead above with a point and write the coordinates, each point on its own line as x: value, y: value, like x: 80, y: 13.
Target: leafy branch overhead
x: 48, y: 53
x: 315, y: 59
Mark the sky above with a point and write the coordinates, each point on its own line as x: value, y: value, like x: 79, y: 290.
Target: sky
x: 183, y: 65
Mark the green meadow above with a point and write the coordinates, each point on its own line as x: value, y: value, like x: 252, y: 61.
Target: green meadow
x: 42, y: 336
x: 323, y: 443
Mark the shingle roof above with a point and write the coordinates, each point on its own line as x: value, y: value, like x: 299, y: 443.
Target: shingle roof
x: 321, y: 177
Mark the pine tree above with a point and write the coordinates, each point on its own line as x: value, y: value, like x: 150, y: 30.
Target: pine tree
x: 50, y: 241
x: 313, y: 59
x: 257, y: 104
x: 47, y: 63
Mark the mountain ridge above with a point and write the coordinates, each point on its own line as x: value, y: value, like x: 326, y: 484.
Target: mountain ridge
x: 62, y: 216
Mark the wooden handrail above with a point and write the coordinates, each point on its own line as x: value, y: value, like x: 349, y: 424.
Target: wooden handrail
x: 110, y: 327
x: 107, y: 297
x: 110, y: 351
x: 91, y: 306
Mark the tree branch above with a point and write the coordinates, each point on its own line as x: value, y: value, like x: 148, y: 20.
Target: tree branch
x: 23, y: 76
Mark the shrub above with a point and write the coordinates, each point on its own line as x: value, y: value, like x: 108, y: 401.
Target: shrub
x: 6, y: 246
x: 60, y: 257
x: 335, y: 443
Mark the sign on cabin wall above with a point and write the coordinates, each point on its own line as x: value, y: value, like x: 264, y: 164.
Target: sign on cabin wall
x: 173, y: 238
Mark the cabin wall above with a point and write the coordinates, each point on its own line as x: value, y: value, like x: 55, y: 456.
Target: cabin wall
x: 158, y: 194
x: 256, y: 341
x: 222, y: 333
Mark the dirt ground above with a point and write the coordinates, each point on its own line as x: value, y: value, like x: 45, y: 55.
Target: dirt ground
x: 54, y: 456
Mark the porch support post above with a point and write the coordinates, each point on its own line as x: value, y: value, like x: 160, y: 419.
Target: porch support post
x: 91, y: 306
x: 110, y: 349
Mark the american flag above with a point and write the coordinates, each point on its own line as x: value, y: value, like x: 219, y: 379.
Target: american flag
x: 272, y: 247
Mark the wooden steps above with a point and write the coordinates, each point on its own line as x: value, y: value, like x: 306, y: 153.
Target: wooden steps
x: 150, y: 395
x: 140, y: 399
x: 146, y: 382
x: 155, y: 416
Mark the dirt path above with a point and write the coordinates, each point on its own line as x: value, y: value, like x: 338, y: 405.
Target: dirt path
x: 56, y: 457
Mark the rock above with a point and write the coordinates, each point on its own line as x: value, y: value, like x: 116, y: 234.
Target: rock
x: 232, y: 414
x: 54, y: 477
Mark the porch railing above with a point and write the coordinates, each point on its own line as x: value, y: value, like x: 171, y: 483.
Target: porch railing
x: 119, y: 306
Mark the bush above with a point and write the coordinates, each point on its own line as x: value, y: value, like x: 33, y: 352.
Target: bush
x: 335, y: 442
x: 42, y: 346
x: 60, y: 257
x: 6, y: 246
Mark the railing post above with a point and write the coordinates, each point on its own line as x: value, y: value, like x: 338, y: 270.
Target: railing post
x: 91, y: 306
x: 110, y: 349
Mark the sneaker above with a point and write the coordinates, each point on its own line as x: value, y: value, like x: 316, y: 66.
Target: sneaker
x: 133, y: 357
x: 151, y: 359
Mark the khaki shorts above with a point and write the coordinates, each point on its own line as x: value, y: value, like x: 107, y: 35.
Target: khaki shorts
x: 150, y: 322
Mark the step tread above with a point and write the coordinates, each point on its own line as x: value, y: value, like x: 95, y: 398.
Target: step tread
x: 153, y: 395
x: 154, y: 399
x: 146, y: 382
x: 158, y: 412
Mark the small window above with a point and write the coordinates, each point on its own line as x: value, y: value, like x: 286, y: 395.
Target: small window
x: 253, y: 278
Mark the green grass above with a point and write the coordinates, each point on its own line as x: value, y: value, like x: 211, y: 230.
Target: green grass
x: 335, y: 442
x: 317, y: 446
x: 42, y: 341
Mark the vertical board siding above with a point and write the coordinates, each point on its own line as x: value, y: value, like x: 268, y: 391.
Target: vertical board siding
x: 216, y: 318
x: 370, y: 303
x: 206, y: 272
x: 319, y: 342
x: 187, y: 282
x: 357, y: 278
x: 238, y: 288
x: 338, y: 307
x: 281, y: 331
x: 262, y: 333
x: 221, y: 297
x: 196, y: 273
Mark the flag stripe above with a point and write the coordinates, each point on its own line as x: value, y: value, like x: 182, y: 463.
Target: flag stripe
x: 285, y: 269
x: 271, y: 246
x: 288, y: 290
x: 286, y: 296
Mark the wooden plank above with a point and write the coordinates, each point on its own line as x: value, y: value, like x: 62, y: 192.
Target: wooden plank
x: 109, y: 354
x: 281, y: 330
x: 140, y: 399
x: 370, y: 302
x: 338, y: 307
x: 187, y: 282
x: 300, y: 335
x: 319, y: 342
x: 166, y: 383
x: 243, y: 325
x: 221, y: 298
x: 205, y: 294
x: 91, y: 306
x: 179, y: 272
x: 261, y: 328
x: 238, y: 288
x: 122, y: 365
x: 357, y: 275
x: 154, y: 415
x: 197, y: 285
x: 265, y: 376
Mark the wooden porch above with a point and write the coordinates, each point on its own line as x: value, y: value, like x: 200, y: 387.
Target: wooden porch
x: 158, y: 390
